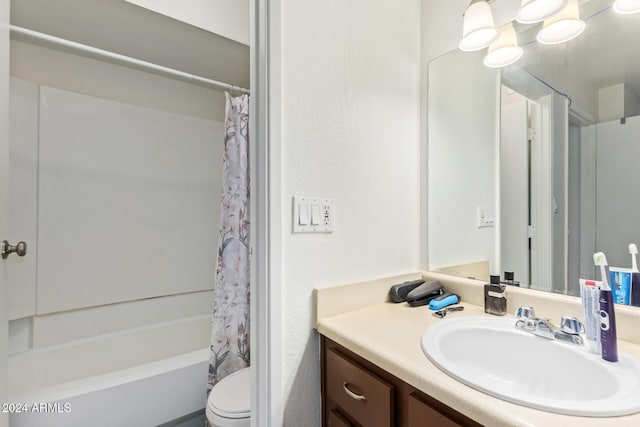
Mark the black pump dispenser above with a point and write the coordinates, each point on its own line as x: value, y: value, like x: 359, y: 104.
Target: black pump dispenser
x: 495, y: 301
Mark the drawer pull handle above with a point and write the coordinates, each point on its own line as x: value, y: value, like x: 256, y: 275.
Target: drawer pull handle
x: 352, y: 394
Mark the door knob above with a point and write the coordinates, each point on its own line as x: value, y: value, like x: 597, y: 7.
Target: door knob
x: 6, y: 249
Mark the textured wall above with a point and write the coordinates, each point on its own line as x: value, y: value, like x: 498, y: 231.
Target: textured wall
x: 228, y: 18
x: 350, y: 124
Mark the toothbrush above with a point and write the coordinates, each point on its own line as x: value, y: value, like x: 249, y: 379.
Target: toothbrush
x: 601, y: 260
x: 633, y: 250
x: 608, y: 335
x: 635, y: 277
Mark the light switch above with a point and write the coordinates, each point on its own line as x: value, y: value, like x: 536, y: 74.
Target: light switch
x: 484, y: 217
x: 315, y: 214
x: 303, y: 214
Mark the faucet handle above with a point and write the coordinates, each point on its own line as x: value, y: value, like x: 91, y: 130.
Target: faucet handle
x: 525, y: 313
x: 571, y: 325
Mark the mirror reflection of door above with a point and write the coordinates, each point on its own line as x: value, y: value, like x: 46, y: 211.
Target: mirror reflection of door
x: 516, y: 230
x: 533, y: 188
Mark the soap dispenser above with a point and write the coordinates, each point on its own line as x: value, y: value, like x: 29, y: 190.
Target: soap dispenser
x: 495, y: 301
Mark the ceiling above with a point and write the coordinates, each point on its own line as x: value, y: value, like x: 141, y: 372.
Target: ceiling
x: 121, y: 27
x: 606, y: 53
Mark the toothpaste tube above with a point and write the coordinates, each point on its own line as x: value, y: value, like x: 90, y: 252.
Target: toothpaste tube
x: 590, y: 292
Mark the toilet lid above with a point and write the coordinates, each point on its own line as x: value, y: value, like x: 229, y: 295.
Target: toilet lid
x: 231, y: 396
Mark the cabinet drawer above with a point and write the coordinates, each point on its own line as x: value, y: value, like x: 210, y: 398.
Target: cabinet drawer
x: 421, y: 414
x: 365, y: 397
x: 337, y: 420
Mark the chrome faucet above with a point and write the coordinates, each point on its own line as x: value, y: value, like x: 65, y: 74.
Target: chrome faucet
x: 569, y: 330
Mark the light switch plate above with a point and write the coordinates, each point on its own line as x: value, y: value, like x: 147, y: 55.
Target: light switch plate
x: 321, y: 215
x: 484, y: 217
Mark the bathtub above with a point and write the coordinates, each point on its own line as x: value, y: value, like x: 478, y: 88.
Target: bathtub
x: 141, y: 377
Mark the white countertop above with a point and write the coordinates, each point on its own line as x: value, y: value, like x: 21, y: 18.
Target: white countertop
x: 389, y: 334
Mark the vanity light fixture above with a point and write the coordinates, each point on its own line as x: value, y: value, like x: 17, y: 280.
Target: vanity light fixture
x: 563, y: 26
x: 626, y: 7
x: 479, y: 29
x: 533, y: 11
x: 505, y: 50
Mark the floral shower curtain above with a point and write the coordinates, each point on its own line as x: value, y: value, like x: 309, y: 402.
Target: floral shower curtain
x: 230, y: 333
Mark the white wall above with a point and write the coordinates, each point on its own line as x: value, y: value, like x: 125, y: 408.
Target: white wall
x: 441, y: 28
x: 228, y: 18
x: 350, y: 131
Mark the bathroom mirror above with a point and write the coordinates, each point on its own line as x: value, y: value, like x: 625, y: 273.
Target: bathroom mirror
x: 532, y: 167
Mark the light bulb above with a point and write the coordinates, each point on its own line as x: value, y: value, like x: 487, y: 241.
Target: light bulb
x: 478, y: 28
x: 533, y: 11
x: 563, y: 26
x: 626, y: 7
x: 505, y: 50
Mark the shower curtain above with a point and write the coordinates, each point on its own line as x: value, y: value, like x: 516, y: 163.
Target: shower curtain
x: 230, y: 332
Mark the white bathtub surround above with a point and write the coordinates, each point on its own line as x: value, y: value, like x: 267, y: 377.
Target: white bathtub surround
x: 143, y: 376
x: 230, y: 332
x: 82, y: 164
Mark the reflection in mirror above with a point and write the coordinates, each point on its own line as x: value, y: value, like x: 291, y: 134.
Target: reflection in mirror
x: 532, y: 166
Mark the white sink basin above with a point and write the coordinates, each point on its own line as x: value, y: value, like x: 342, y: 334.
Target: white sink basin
x: 491, y: 355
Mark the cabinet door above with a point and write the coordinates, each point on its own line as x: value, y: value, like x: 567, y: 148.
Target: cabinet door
x: 337, y: 420
x: 366, y: 398
x: 423, y: 415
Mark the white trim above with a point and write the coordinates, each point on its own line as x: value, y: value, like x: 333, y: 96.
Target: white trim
x: 542, y: 195
x: 423, y: 188
x: 266, y: 300
x: 559, y: 123
x: 564, y: 264
x: 4, y: 199
x: 497, y: 211
x: 588, y: 174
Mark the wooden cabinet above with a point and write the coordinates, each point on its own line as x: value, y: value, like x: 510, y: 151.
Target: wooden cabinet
x: 421, y: 413
x: 336, y: 419
x: 367, y: 398
x: 357, y: 393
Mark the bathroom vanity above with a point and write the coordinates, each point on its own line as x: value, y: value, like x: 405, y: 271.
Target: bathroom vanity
x: 357, y: 392
x: 370, y: 349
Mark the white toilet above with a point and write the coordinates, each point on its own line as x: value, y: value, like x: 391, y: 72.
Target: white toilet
x: 229, y: 401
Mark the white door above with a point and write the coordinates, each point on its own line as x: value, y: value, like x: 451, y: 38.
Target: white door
x: 514, y: 186
x: 4, y: 191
